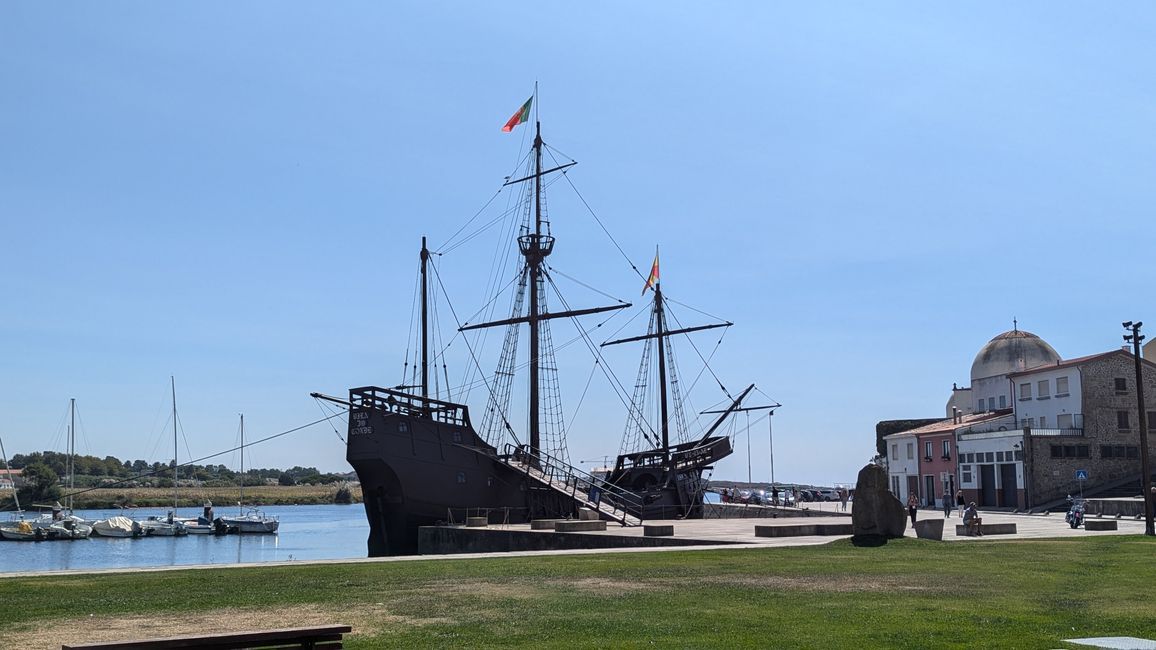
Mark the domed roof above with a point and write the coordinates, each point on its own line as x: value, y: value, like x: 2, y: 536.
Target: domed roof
x: 1011, y: 352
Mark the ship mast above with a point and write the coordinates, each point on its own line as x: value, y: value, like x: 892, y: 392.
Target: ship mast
x: 424, y: 322
x: 535, y: 245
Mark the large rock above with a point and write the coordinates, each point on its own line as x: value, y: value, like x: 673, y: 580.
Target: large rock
x: 876, y: 515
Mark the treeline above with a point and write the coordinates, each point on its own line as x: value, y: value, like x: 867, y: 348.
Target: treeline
x: 44, y: 470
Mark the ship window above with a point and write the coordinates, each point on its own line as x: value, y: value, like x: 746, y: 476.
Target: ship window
x: 403, y: 427
x: 457, y: 436
x: 461, y: 477
x: 489, y: 481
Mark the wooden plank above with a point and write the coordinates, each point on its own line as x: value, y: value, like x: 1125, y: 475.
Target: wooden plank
x: 316, y: 637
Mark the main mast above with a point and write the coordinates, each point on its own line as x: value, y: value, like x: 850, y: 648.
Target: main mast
x: 71, y: 451
x: 661, y: 326
x: 535, y: 249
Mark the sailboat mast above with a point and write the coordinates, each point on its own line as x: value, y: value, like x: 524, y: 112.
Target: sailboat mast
x: 176, y: 466
x: 661, y: 326
x: 8, y: 473
x: 71, y: 451
x: 424, y: 323
x: 242, y: 501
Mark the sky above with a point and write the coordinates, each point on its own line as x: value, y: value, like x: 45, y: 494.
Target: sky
x: 233, y: 195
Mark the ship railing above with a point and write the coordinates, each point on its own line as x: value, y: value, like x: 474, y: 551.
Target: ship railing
x: 403, y: 403
x: 594, y: 492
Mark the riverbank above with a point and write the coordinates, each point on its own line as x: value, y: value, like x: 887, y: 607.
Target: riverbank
x: 194, y: 497
x: 907, y: 594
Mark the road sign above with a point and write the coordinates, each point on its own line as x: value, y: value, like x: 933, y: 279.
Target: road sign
x: 1081, y: 475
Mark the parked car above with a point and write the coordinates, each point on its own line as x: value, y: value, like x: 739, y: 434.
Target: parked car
x: 829, y: 494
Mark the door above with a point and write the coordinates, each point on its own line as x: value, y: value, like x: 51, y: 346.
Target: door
x: 929, y: 491
x: 912, y: 488
x: 1009, y: 495
x: 987, y: 493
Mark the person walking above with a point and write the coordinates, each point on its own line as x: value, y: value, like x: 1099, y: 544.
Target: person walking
x: 959, y: 501
x: 912, y: 507
x: 947, y: 505
x: 843, y: 498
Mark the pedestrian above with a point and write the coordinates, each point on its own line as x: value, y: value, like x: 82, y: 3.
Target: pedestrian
x: 959, y: 501
x: 947, y: 505
x: 775, y: 494
x: 843, y: 498
x: 912, y: 507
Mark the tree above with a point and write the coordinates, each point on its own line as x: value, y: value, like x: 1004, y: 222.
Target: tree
x: 40, y: 483
x: 286, y: 479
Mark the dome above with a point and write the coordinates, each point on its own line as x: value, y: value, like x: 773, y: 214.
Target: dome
x: 1011, y: 352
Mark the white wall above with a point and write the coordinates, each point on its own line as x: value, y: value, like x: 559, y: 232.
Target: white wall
x: 1051, y: 406
x: 991, y: 390
x: 994, y: 445
x: 907, y: 463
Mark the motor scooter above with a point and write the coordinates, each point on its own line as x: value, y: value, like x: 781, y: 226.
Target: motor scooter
x: 1075, y: 516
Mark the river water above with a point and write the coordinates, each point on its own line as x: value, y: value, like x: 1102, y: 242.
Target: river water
x: 306, y: 533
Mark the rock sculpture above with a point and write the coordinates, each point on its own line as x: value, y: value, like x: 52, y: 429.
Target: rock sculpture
x: 876, y: 515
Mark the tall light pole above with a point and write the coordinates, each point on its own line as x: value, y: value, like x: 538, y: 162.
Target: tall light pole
x: 1145, y: 471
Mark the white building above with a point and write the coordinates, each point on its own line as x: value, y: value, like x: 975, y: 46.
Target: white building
x: 903, y: 464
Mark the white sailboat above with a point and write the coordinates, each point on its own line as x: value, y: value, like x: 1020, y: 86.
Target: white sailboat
x: 249, y: 520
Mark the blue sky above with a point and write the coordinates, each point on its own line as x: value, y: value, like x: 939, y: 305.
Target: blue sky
x: 233, y: 194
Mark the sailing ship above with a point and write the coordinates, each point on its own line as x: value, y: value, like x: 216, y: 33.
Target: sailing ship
x: 421, y: 461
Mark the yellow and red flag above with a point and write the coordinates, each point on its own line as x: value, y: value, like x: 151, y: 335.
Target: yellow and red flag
x: 522, y: 115
x: 653, y: 279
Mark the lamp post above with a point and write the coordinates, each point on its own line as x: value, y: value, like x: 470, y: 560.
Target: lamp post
x: 1145, y: 471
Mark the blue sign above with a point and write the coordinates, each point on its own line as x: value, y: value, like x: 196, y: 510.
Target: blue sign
x: 1081, y: 475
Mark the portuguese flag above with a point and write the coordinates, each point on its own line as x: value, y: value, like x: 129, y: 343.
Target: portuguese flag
x: 653, y: 279
x: 522, y: 115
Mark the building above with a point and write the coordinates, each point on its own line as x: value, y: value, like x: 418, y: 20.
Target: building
x: 1082, y: 414
x: 1026, y: 424
x: 9, y: 478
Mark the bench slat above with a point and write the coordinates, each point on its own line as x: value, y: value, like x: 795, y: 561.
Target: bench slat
x: 320, y: 637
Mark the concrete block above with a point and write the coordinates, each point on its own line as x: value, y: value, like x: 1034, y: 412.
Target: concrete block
x: 578, y: 526
x: 797, y: 530
x: 989, y: 529
x: 658, y: 530
x: 477, y: 522
x: 586, y: 514
x: 1100, y: 524
x: 542, y: 524
x: 929, y: 529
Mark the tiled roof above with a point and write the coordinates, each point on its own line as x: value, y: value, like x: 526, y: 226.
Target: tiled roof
x: 1068, y: 363
x: 948, y: 425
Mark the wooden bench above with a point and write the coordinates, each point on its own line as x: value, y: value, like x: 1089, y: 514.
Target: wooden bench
x: 319, y: 638
x: 989, y: 529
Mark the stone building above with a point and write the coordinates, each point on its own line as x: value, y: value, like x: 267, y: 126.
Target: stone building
x: 1082, y: 414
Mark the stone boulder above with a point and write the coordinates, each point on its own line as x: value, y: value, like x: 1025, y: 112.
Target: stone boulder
x: 876, y: 515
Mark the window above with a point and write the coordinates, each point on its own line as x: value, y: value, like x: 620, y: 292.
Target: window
x: 970, y: 458
x: 979, y: 409
x: 1133, y: 452
x: 1019, y: 454
x: 1043, y: 390
x: 1003, y: 401
x: 947, y: 449
x: 403, y: 427
x: 1043, y: 421
x: 1081, y: 451
x: 894, y: 451
x: 1064, y: 420
x: 991, y: 403
x: 457, y: 435
x: 1121, y: 385
x: 999, y: 456
x: 1057, y: 451
x: 1151, y: 420
x: 1061, y: 386
x: 461, y: 477
x: 1122, y: 421
x: 966, y: 472
x: 910, y: 450
x: 895, y: 485
x: 1032, y: 422
x: 990, y: 457
x: 927, y: 450
x: 1025, y: 391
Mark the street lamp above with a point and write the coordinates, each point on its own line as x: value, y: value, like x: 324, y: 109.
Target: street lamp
x: 1145, y: 472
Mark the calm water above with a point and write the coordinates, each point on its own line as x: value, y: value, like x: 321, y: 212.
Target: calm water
x: 305, y: 533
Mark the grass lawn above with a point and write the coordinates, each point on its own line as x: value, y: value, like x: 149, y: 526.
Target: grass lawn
x: 907, y: 594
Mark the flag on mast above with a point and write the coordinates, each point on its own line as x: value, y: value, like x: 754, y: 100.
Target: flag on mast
x: 522, y: 115
x: 653, y: 279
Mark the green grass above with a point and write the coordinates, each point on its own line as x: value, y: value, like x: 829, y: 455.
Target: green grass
x: 907, y: 594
